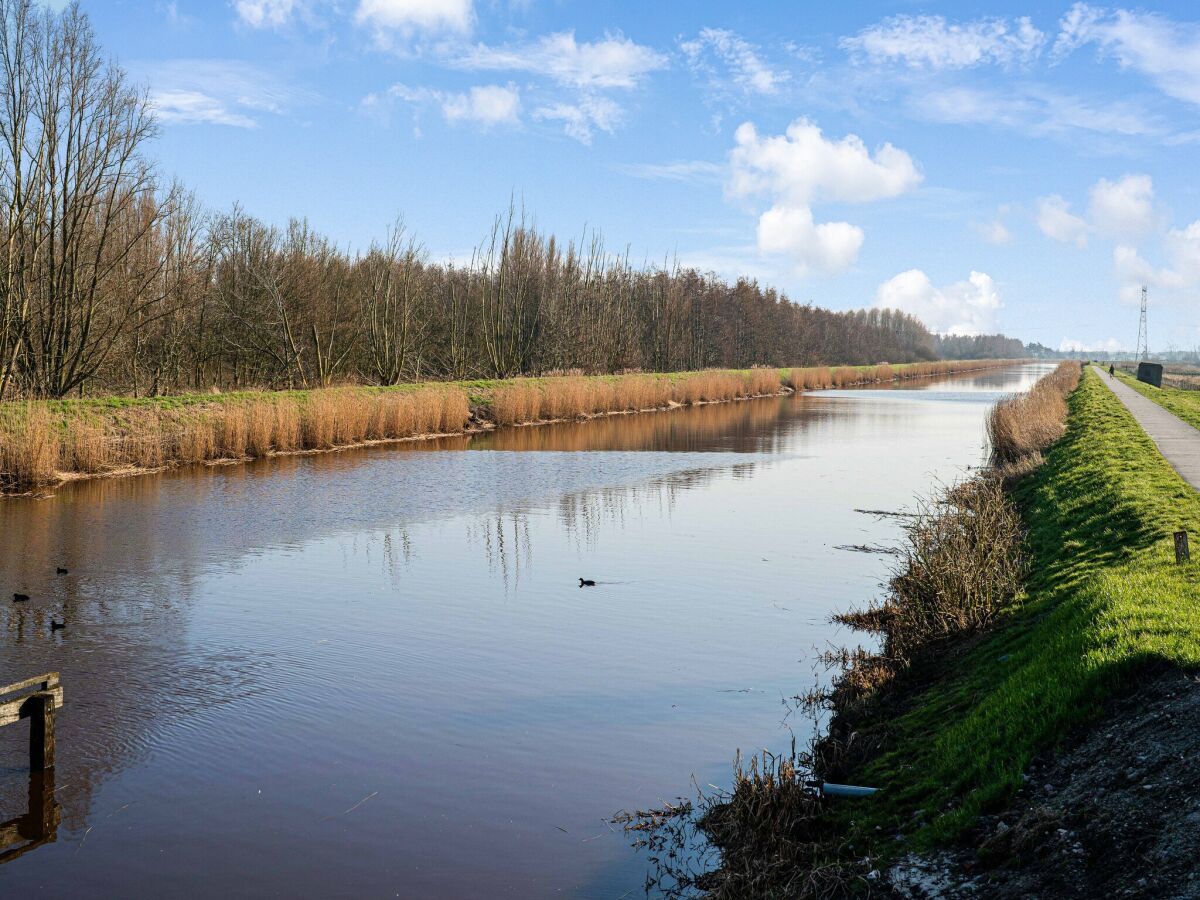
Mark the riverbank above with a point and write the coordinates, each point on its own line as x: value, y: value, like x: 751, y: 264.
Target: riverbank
x: 949, y: 727
x: 46, y: 442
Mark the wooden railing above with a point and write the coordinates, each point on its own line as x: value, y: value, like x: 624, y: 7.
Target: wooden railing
x: 37, y: 699
x: 34, y: 699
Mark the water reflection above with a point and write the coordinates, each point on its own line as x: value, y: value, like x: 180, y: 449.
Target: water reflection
x: 38, y: 825
x: 387, y: 649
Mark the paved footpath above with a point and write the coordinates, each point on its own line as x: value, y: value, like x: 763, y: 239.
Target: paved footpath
x: 1178, y: 441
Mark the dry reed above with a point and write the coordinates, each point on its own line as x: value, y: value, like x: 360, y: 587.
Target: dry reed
x: 1022, y: 426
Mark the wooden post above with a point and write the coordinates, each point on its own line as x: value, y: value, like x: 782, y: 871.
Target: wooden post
x: 41, y: 731
x: 1182, y: 554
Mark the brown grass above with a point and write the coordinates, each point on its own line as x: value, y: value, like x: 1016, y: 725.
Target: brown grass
x: 29, y: 449
x: 1021, y: 427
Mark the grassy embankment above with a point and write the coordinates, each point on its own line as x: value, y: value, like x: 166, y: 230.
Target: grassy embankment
x: 1023, y: 601
x: 1104, y: 598
x: 45, y: 441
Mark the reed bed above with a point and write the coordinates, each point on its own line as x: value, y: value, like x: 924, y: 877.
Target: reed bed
x: 41, y: 443
x: 38, y: 447
x: 524, y: 401
x: 1022, y: 426
x: 820, y: 378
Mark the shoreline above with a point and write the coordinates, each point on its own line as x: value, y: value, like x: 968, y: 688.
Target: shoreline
x: 991, y: 741
x: 125, y: 437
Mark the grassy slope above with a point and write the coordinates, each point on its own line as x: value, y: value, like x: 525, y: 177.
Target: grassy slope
x: 1105, y: 597
x: 1185, y: 404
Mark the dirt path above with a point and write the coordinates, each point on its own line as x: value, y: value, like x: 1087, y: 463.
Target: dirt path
x: 1177, y: 441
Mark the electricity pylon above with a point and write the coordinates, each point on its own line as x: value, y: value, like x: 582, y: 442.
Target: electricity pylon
x: 1143, y: 343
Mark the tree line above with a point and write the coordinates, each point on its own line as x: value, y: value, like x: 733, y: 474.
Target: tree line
x: 112, y: 281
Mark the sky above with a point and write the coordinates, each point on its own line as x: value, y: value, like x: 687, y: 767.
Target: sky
x: 988, y: 167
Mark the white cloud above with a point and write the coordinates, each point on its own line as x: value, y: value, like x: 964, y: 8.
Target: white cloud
x: 217, y: 92
x: 1165, y: 51
x: 583, y: 117
x: 1108, y: 345
x: 687, y: 170
x: 995, y: 232
x: 195, y: 108
x: 1133, y: 271
x: 1124, y: 207
x: 587, y: 69
x: 933, y: 43
x: 1055, y: 219
x: 801, y: 167
x: 965, y: 307
x: 828, y: 247
x: 1032, y: 109
x: 614, y: 62
x: 265, y: 13
x: 406, y: 16
x: 745, y: 68
x: 484, y: 105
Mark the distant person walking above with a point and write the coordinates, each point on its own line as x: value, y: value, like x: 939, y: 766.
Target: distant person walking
x: 1112, y: 373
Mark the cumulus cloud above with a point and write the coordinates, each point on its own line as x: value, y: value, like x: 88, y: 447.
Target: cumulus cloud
x: 931, y: 42
x: 826, y: 247
x: 1165, y: 51
x: 483, y: 105
x: 965, y: 307
x: 801, y: 167
x: 1055, y: 219
x: 1124, y: 207
x: 725, y: 58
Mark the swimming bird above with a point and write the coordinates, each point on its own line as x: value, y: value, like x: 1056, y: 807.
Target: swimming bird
x: 57, y: 626
x: 20, y: 598
x: 586, y: 582
x: 61, y: 571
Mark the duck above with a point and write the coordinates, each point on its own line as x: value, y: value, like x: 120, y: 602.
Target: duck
x: 57, y: 626
x: 20, y: 598
x: 61, y: 571
x: 586, y: 582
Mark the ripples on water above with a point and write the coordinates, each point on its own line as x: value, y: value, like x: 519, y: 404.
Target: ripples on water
x: 373, y: 672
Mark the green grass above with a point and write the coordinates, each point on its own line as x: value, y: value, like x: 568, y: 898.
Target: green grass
x: 1105, y: 600
x: 1185, y: 404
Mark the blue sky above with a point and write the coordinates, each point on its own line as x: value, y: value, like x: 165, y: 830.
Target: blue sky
x: 986, y: 166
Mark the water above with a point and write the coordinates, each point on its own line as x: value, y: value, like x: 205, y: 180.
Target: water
x: 373, y: 673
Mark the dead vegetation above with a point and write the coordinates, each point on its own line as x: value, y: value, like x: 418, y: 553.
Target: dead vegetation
x: 38, y: 447
x: 1021, y: 427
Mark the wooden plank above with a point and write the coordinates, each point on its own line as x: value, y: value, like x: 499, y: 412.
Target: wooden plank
x: 41, y: 682
x: 12, y: 711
